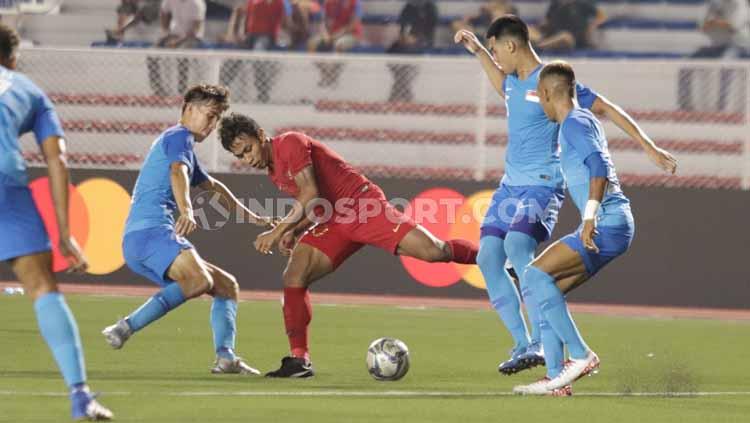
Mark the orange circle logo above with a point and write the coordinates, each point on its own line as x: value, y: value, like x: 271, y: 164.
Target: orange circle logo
x: 448, y: 214
x: 97, y: 210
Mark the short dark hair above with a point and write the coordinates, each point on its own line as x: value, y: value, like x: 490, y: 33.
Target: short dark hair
x: 509, y: 26
x: 561, y: 69
x: 233, y: 126
x: 9, y: 41
x: 206, y: 93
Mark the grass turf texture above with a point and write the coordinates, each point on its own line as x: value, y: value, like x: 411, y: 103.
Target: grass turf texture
x: 162, y: 375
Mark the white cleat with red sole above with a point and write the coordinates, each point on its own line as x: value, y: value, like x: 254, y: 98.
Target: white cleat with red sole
x: 574, y: 370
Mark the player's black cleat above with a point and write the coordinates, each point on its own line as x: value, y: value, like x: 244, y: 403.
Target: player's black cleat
x: 293, y: 367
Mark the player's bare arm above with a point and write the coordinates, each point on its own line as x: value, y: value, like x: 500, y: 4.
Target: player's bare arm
x: 596, y: 194
x: 308, y: 191
x: 180, y: 180
x: 662, y: 158
x: 491, y: 68
x: 53, y: 149
x: 230, y: 201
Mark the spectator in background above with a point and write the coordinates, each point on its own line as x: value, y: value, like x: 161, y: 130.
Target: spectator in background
x: 568, y: 25
x: 263, y: 20
x: 131, y: 13
x: 726, y: 23
x: 341, y: 32
x: 418, y: 21
x: 182, y: 23
x: 487, y: 14
x: 300, y: 22
x: 727, y: 26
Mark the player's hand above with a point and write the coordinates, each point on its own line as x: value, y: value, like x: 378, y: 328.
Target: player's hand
x: 266, y: 241
x: 268, y: 222
x: 286, y: 243
x: 588, y: 233
x: 185, y: 223
x: 469, y: 40
x: 72, y: 252
x: 663, y: 159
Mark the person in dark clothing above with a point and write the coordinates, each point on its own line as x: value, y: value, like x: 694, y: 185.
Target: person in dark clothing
x: 418, y: 21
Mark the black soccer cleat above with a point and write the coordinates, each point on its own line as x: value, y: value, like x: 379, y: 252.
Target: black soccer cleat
x: 293, y: 367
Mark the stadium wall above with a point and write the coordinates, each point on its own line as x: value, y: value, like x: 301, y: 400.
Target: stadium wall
x: 690, y: 248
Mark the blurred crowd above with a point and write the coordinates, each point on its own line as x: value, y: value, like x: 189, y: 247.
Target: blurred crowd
x: 336, y: 25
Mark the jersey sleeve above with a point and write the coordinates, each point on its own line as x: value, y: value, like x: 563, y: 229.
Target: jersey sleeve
x: 287, y: 7
x: 199, y: 174
x: 177, y: 148
x: 586, y: 96
x: 580, y: 135
x: 296, y: 152
x: 46, y: 121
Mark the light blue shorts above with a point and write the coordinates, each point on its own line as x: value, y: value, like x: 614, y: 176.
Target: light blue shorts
x: 150, y: 252
x: 22, y: 231
x: 611, y: 240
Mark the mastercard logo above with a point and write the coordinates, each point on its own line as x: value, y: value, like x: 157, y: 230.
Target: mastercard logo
x: 97, y: 210
x: 448, y: 214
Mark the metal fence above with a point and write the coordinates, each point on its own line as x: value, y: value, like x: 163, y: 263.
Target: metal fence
x: 423, y: 117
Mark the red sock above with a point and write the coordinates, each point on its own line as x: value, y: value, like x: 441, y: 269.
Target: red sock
x: 464, y: 252
x: 297, y: 316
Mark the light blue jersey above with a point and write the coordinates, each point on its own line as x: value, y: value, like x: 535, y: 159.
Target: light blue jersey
x: 153, y: 202
x: 23, y: 108
x: 581, y: 135
x: 532, y: 157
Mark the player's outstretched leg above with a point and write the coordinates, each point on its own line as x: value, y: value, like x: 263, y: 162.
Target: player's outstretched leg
x: 520, y: 248
x: 423, y: 245
x: 60, y: 332
x: 503, y: 297
x: 306, y: 265
x: 192, y: 279
x: 226, y: 293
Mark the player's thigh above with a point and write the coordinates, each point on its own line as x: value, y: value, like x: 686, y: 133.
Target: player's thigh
x: 306, y: 265
x: 225, y: 284
x: 561, y: 262
x: 190, y: 272
x: 423, y: 245
x: 34, y: 271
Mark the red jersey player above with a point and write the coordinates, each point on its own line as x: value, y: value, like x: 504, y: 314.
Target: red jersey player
x: 359, y: 214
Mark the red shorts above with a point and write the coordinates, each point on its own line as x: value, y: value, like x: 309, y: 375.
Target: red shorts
x: 368, y: 220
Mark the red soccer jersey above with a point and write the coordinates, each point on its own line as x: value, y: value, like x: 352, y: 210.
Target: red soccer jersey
x: 339, y: 13
x: 294, y: 151
x: 264, y: 17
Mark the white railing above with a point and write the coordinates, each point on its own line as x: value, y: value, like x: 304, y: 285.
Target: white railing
x: 441, y: 117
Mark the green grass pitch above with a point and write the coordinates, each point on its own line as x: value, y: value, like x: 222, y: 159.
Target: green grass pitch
x: 162, y: 374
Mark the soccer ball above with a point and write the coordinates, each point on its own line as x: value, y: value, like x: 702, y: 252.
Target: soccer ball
x: 387, y: 359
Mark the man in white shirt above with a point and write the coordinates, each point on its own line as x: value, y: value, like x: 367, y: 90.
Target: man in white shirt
x: 726, y: 23
x: 182, y: 24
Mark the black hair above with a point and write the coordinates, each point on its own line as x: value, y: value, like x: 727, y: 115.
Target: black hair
x: 509, y: 26
x: 208, y: 94
x: 233, y: 126
x: 9, y: 41
x: 562, y: 70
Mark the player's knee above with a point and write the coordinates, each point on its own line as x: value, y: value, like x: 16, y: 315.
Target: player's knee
x: 293, y: 279
x: 198, y: 284
x: 485, y: 257
x: 232, y: 287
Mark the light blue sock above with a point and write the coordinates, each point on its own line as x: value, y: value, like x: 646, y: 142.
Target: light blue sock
x: 500, y: 288
x: 520, y: 248
x: 224, y: 325
x: 555, y: 311
x: 157, y: 306
x: 59, y: 330
x: 554, y: 350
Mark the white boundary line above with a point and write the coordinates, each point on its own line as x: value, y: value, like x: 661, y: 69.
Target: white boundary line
x: 374, y: 394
